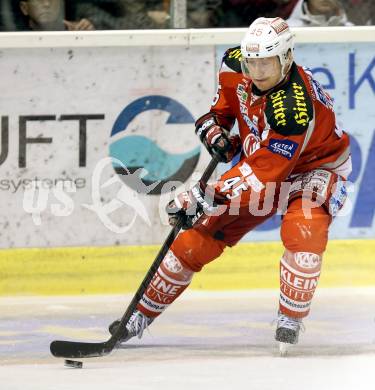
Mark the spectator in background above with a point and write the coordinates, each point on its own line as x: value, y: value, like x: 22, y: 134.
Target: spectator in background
x: 202, y: 13
x: 318, y: 13
x: 48, y: 15
x: 115, y: 14
x: 239, y: 13
x: 159, y: 12
x: 360, y: 12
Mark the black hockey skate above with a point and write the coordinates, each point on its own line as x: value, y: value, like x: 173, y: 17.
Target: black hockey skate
x: 287, y: 332
x: 136, y: 325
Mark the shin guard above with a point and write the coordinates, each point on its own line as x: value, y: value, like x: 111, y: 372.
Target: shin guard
x: 299, y: 275
x: 170, y: 280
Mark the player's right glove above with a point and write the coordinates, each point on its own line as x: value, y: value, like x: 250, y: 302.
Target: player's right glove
x: 190, y: 206
x: 216, y: 138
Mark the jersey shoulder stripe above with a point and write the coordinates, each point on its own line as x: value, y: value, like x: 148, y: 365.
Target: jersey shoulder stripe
x: 232, y: 60
x: 289, y: 109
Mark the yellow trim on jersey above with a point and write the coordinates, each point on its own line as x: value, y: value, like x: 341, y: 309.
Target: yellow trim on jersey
x: 58, y: 271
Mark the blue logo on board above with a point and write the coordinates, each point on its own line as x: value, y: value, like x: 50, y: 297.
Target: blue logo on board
x: 138, y: 151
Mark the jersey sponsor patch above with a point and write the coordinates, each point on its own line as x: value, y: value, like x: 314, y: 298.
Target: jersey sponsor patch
x: 320, y: 94
x: 245, y: 169
x: 242, y: 99
x: 289, y: 109
x: 301, y: 113
x: 316, y: 181
x: 283, y: 147
x: 232, y: 59
x: 251, y: 144
x: 255, y: 183
x: 338, y: 198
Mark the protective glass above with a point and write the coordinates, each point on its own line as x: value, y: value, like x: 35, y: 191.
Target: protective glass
x: 260, y: 67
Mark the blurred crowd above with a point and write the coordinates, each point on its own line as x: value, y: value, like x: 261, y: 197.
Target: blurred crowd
x: 56, y: 15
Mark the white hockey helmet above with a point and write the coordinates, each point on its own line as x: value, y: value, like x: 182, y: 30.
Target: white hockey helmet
x: 268, y: 37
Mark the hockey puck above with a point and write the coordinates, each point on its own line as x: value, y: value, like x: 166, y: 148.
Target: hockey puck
x: 73, y: 363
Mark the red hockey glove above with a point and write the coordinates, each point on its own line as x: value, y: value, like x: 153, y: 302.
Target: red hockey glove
x: 190, y: 206
x: 216, y: 139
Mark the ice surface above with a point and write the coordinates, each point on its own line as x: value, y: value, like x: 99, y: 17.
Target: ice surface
x: 221, y: 340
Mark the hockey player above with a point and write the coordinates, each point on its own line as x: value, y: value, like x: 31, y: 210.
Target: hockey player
x: 294, y: 158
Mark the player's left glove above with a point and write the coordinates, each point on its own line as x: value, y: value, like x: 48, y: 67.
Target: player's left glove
x: 191, y: 206
x: 217, y: 140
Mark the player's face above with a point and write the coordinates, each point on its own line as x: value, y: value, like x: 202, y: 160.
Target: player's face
x: 42, y: 11
x: 264, y: 72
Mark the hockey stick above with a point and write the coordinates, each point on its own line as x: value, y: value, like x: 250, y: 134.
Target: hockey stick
x: 76, y: 349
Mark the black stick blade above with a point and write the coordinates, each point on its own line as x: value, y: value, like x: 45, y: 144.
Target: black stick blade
x: 73, y: 349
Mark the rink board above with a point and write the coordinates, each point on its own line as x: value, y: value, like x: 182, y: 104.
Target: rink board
x: 120, y: 269
x: 66, y: 120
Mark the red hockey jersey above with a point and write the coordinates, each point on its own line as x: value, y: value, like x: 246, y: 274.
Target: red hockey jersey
x: 291, y: 129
